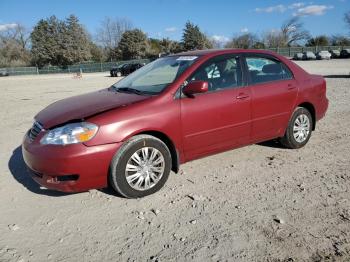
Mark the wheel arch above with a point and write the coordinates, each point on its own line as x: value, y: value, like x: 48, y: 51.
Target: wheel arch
x: 310, y: 107
x: 175, y: 158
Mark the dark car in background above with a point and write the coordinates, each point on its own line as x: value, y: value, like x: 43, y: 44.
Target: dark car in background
x: 3, y: 72
x: 125, y: 69
x: 345, y: 53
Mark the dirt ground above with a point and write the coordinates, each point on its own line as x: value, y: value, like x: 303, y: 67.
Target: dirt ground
x: 258, y: 203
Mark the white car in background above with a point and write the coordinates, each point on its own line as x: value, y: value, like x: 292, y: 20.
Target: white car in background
x: 298, y: 56
x: 323, y: 55
x: 308, y: 55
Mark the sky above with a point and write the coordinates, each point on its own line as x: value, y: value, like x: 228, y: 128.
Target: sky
x: 219, y: 19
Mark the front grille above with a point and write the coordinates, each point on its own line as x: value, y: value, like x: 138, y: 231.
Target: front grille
x: 35, y: 130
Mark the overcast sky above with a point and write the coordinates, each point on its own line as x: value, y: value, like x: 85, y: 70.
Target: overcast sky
x: 166, y: 18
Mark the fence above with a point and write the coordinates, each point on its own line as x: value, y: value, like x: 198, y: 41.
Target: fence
x: 291, y: 51
x: 85, y: 68
x: 103, y: 67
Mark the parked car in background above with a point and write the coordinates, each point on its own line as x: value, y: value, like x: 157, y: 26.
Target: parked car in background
x: 298, y: 56
x: 309, y: 56
x: 335, y: 53
x: 116, y: 69
x: 175, y: 109
x: 125, y: 69
x: 323, y: 55
x: 345, y: 53
x: 3, y: 72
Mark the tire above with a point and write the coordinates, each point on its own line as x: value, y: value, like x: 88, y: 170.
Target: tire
x: 130, y: 154
x: 119, y: 74
x: 291, y: 139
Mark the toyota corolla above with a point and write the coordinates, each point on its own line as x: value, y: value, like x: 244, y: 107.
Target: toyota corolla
x: 176, y: 109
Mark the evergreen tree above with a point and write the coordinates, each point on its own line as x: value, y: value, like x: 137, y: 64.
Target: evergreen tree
x: 61, y: 43
x: 170, y: 46
x: 46, y: 42
x: 75, y: 42
x: 193, y: 38
x: 162, y: 46
x: 245, y: 41
x: 97, y: 53
x: 321, y: 40
x: 133, y: 45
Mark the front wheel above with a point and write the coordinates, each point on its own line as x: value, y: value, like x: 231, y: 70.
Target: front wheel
x: 119, y: 74
x: 299, y: 129
x: 140, y: 167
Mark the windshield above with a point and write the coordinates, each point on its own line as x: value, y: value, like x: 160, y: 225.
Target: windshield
x: 154, y: 77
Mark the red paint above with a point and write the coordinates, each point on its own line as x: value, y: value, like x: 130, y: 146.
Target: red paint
x: 198, y: 125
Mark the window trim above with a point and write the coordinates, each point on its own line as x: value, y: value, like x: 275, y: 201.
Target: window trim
x: 266, y: 56
x: 179, y: 94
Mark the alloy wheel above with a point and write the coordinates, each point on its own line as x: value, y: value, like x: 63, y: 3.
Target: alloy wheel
x: 301, y: 128
x: 145, y: 168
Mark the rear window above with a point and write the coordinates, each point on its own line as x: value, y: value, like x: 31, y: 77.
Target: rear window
x: 262, y: 69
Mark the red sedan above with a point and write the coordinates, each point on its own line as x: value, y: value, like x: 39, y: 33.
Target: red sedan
x: 176, y: 109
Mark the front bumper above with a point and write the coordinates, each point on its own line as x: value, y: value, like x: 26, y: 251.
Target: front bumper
x: 70, y: 168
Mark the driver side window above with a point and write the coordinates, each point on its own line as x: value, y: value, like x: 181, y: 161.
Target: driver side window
x: 220, y: 73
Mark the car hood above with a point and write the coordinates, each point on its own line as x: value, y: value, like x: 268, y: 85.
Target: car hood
x: 83, y: 106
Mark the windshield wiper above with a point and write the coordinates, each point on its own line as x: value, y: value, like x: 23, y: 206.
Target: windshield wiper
x: 129, y: 90
x: 133, y: 90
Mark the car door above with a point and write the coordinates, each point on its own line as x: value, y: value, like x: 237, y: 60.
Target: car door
x: 128, y: 69
x: 133, y: 68
x: 274, y: 91
x: 220, y: 118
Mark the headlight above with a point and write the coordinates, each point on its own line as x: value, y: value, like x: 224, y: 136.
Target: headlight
x: 70, y: 134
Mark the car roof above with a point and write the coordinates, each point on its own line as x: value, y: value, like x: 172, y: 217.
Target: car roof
x: 210, y: 52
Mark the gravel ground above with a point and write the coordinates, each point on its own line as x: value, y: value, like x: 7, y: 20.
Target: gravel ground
x: 257, y: 203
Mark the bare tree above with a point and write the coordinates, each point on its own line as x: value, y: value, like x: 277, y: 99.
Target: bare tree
x: 293, y: 31
x: 18, y: 33
x: 14, y: 42
x: 245, y: 41
x: 340, y: 40
x: 273, y: 38
x: 111, y: 31
x: 22, y: 34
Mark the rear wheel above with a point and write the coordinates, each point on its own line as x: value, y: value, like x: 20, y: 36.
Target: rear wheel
x: 140, y: 167
x: 299, y: 129
x: 119, y: 74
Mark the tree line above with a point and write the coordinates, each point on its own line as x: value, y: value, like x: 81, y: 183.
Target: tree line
x: 64, y: 42
x: 291, y: 33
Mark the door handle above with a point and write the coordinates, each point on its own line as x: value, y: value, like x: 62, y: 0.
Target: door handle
x: 291, y: 87
x: 242, y: 96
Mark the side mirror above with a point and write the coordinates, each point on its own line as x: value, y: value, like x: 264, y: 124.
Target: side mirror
x: 195, y: 87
